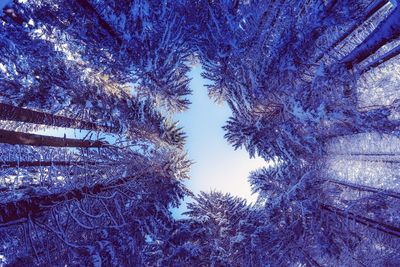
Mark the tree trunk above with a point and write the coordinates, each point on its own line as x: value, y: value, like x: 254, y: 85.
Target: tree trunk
x: 362, y: 123
x: 389, y: 154
x: 11, y: 113
x: 18, y: 138
x: 372, y: 9
x: 35, y: 206
x: 385, y: 32
x: 365, y: 188
x: 390, y: 158
x: 380, y: 226
x: 386, y: 57
x: 11, y: 12
x: 341, y: 133
x: 104, y: 24
x: 23, y: 164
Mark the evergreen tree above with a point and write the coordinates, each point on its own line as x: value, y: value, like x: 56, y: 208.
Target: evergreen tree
x: 312, y: 89
x: 68, y: 64
x: 209, y: 237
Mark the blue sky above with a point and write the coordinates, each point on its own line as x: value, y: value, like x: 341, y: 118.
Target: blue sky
x: 217, y: 165
x: 3, y: 3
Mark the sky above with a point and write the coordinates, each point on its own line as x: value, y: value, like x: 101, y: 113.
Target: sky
x: 217, y: 165
x: 3, y: 3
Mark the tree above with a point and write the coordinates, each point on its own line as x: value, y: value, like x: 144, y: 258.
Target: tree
x: 70, y: 65
x: 91, y: 209
x: 15, y: 138
x: 292, y: 72
x: 48, y: 82
x: 285, y: 95
x: 142, y: 42
x: 12, y: 113
x: 209, y: 237
x: 385, y: 32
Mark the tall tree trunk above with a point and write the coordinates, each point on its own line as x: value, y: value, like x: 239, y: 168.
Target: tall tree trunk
x: 380, y: 226
x: 35, y: 206
x: 379, y: 158
x: 385, y: 32
x: 345, y: 130
x: 89, y: 7
x: 366, y: 188
x: 23, y: 164
x: 12, y: 113
x: 364, y: 122
x: 388, y: 154
x: 12, y: 13
x: 382, y: 59
x: 18, y: 138
x: 372, y: 9
x: 389, y: 161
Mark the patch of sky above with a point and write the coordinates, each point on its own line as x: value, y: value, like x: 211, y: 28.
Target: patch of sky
x: 3, y: 3
x: 217, y: 166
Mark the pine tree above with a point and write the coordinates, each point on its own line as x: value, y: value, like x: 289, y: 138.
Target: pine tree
x: 209, y: 237
x: 67, y: 64
x: 311, y: 86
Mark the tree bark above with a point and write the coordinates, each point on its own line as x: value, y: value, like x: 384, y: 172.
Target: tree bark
x: 380, y: 226
x: 23, y: 164
x: 385, y: 32
x: 18, y: 138
x: 12, y: 113
x: 104, y: 24
x: 366, y: 188
x: 390, y: 158
x: 35, y: 206
x: 389, y: 154
x: 11, y: 12
x: 372, y: 9
x: 386, y: 57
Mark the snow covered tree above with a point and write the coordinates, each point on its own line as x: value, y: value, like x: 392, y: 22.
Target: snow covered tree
x: 73, y: 64
x: 312, y: 89
x: 315, y: 222
x: 48, y: 81
x: 292, y: 73
x: 101, y: 208
x: 209, y: 237
x: 276, y: 92
x: 139, y: 42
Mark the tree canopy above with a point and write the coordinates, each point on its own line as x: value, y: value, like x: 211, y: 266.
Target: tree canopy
x: 313, y: 89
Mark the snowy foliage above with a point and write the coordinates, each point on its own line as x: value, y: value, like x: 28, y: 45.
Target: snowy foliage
x: 313, y: 89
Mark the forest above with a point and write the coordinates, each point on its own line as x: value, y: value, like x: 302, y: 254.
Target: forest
x: 313, y: 87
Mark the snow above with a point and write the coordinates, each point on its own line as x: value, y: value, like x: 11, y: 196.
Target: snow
x: 3, y: 260
x: 253, y: 66
x: 3, y: 68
